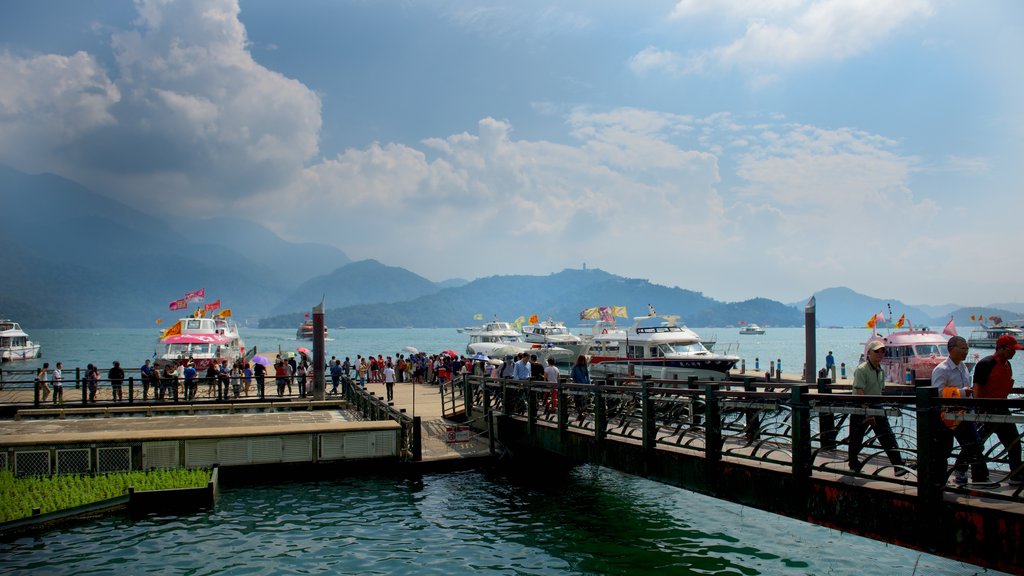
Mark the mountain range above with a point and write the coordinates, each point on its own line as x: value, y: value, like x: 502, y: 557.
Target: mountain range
x: 75, y: 258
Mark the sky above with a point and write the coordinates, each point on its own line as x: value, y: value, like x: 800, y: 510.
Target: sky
x: 740, y: 148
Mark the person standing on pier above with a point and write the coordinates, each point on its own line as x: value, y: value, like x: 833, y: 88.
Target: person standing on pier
x: 335, y: 376
x: 830, y: 365
x: 116, y: 377
x: 993, y: 378
x: 145, y: 374
x: 41, y: 384
x: 869, y: 380
x: 189, y: 377
x: 521, y: 371
x: 58, y: 383
x: 389, y: 381
x: 580, y: 375
x: 953, y: 381
x: 92, y: 381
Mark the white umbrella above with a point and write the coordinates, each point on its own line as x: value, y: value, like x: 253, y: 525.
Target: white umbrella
x: 410, y: 350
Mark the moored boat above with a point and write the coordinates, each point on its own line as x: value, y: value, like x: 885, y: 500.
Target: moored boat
x: 497, y: 339
x: 14, y: 343
x: 202, y: 341
x: 751, y: 330
x: 550, y: 333
x: 305, y: 331
x: 911, y: 354
x: 656, y: 346
x: 985, y: 336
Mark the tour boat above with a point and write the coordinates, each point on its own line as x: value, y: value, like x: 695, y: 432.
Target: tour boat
x: 305, y: 331
x: 497, y: 339
x: 551, y: 333
x: 911, y: 354
x: 751, y: 330
x: 203, y: 341
x: 14, y: 343
x: 985, y: 336
x: 658, y: 347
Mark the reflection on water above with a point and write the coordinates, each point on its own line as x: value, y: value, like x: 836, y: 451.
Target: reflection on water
x: 587, y: 520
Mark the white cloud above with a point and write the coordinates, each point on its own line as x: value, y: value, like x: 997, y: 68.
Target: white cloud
x: 782, y: 33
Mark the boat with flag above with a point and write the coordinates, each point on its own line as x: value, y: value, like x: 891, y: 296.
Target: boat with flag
x: 910, y: 354
x: 305, y: 330
x: 986, y: 334
x: 207, y: 336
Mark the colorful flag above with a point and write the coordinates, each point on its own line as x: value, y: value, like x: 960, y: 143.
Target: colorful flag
x: 179, y: 304
x: 901, y: 321
x: 871, y: 322
x: 605, y: 313
x: 172, y: 331
x: 619, y: 311
x: 950, y: 329
x: 533, y: 319
x: 589, y: 314
x: 519, y: 322
x: 212, y: 306
x: 478, y: 316
x: 225, y: 313
x: 195, y: 295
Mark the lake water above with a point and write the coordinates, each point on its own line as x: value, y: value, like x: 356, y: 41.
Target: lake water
x: 588, y: 520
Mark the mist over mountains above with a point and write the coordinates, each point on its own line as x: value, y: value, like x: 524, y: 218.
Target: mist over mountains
x: 74, y: 258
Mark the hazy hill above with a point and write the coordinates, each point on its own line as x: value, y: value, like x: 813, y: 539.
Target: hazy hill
x: 357, y: 283
x: 560, y: 296
x: 843, y: 307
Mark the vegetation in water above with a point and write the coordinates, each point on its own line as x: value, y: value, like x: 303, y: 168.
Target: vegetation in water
x: 18, y: 496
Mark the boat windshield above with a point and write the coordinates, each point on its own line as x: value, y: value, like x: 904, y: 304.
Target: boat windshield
x: 683, y: 348
x: 929, y: 350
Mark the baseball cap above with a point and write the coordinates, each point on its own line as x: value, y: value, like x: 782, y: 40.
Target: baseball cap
x: 875, y: 345
x: 1009, y: 342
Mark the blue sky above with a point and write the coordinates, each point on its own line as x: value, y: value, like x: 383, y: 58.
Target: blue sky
x: 740, y: 148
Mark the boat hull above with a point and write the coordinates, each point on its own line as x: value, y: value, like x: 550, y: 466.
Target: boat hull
x: 663, y: 368
x: 15, y: 353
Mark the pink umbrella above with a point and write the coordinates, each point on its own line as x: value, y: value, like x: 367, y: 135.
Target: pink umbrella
x: 302, y: 350
x: 451, y: 353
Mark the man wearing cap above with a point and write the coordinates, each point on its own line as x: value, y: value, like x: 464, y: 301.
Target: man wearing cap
x: 993, y: 378
x: 952, y: 380
x: 869, y: 380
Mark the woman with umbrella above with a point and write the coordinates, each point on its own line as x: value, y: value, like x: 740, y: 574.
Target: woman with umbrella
x: 260, y: 364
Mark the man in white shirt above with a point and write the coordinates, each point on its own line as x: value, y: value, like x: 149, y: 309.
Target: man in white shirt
x: 389, y: 382
x: 953, y: 381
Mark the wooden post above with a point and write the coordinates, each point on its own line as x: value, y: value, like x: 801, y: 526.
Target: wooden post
x: 563, y: 408
x: 827, y: 421
x: 801, y: 432
x: 600, y: 425
x: 647, y: 411
x: 417, y: 439
x: 318, y: 352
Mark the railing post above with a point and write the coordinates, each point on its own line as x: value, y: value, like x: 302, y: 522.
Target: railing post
x: 79, y: 384
x: 801, y: 432
x: 931, y: 468
x: 487, y: 403
x: 467, y: 397
x: 35, y: 387
x: 691, y: 384
x: 712, y: 424
x: 647, y: 411
x: 417, y: 439
x: 131, y: 390
x: 563, y: 409
x: 531, y: 410
x: 752, y: 428
x: 506, y: 399
x: 827, y: 421
x: 600, y: 425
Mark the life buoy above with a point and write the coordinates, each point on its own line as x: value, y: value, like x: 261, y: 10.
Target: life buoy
x: 604, y: 331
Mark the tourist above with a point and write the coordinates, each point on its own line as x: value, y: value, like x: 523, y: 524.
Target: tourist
x: 869, y: 380
x: 361, y: 373
x: 580, y: 375
x: 993, y: 378
x: 521, y: 371
x: 289, y: 373
x: 261, y: 379
x: 536, y: 369
x: 58, y: 383
x: 508, y: 367
x: 170, y: 381
x: 953, y: 381
x: 300, y: 377
x: 551, y: 377
x: 189, y: 377
x: 211, y: 378
x: 236, y: 379
x: 336, y: 370
x: 389, y: 381
x: 830, y: 366
x: 281, y: 376
x: 145, y: 375
x: 116, y: 377
x: 41, y: 384
x: 346, y: 367
x: 247, y: 376
x: 92, y: 381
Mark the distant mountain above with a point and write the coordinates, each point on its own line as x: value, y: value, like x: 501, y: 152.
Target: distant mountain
x: 366, y: 281
x: 938, y: 311
x: 843, y: 307
x: 74, y: 258
x: 560, y: 296
x: 1016, y: 307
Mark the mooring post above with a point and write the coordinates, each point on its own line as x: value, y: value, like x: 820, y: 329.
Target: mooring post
x: 810, y: 353
x: 647, y: 411
x: 417, y: 439
x: 801, y: 440
x: 827, y: 421
x: 531, y: 409
x: 600, y: 427
x: 318, y: 352
x: 931, y: 468
x: 562, y: 408
x: 712, y: 423
x: 131, y: 389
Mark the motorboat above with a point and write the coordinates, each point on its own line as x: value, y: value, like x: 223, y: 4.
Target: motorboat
x: 550, y: 333
x: 202, y: 341
x: 498, y: 339
x: 751, y: 330
x: 14, y: 343
x: 305, y: 331
x: 985, y: 336
x: 911, y: 355
x: 656, y: 346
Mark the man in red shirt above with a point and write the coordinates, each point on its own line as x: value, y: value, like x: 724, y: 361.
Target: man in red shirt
x: 993, y: 378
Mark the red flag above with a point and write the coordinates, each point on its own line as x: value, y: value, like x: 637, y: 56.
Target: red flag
x: 195, y: 295
x: 950, y: 329
x: 212, y: 306
x: 179, y: 304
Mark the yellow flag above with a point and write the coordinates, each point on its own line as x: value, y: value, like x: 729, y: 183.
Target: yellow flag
x: 619, y: 311
x: 172, y: 331
x: 519, y: 322
x: 225, y: 313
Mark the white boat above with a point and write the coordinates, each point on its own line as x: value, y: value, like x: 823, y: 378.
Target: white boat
x: 985, y: 336
x: 656, y: 346
x: 14, y: 343
x: 305, y: 331
x: 203, y: 341
x: 751, y: 330
x: 497, y: 339
x: 550, y: 333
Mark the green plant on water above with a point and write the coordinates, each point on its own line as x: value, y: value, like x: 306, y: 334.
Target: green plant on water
x: 18, y: 496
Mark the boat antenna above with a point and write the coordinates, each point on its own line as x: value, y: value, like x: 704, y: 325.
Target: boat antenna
x: 888, y: 324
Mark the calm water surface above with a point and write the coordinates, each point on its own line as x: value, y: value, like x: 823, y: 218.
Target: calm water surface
x: 587, y: 521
